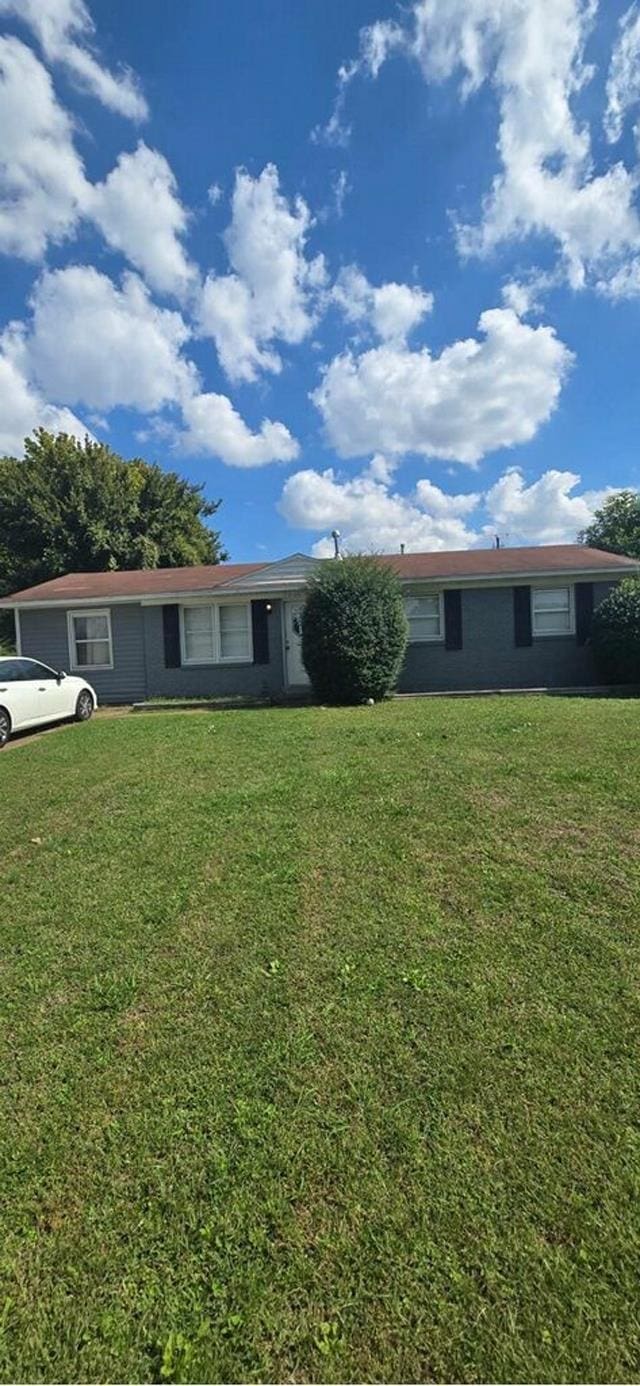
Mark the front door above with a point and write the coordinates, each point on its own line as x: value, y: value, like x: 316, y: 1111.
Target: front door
x: 295, y: 670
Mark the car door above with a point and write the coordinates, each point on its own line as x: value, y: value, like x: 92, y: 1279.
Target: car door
x: 47, y: 695
x: 16, y: 693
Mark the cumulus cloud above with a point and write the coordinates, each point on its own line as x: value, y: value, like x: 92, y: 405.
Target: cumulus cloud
x: 22, y: 408
x: 392, y: 310
x: 532, y: 53
x: 119, y: 347
x: 64, y: 30
x: 271, y: 293
x: 214, y: 427
x: 623, y: 83
x: 545, y: 512
x: 373, y: 516
x: 44, y: 191
x: 138, y: 210
x: 478, y: 395
x: 43, y: 187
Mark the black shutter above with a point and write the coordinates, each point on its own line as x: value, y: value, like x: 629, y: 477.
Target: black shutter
x: 584, y: 611
x: 453, y: 619
x: 260, y: 628
x: 171, y: 633
x: 522, y: 615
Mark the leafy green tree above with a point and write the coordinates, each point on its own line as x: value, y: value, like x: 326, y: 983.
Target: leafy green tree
x: 79, y: 507
x: 616, y: 526
x: 615, y: 634
x: 354, y: 630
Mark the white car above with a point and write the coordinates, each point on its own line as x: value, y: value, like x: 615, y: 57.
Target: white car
x: 32, y: 693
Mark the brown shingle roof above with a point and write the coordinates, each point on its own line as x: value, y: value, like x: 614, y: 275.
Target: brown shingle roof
x: 516, y: 562
x: 457, y: 564
x: 149, y: 582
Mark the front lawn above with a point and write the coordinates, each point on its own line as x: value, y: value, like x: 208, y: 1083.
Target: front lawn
x: 320, y: 1037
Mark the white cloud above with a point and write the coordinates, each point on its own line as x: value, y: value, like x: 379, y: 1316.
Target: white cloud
x: 623, y: 84
x: 93, y: 343
x: 272, y: 291
x: 340, y: 187
x: 372, y: 516
x: 547, y: 511
x: 139, y: 213
x: 44, y: 192
x: 214, y: 427
x: 64, y: 29
x: 478, y: 395
x: 377, y: 42
x: 215, y: 194
x: 532, y: 52
x: 122, y: 349
x: 22, y: 409
x: 393, y: 310
x: 42, y: 183
x: 625, y: 283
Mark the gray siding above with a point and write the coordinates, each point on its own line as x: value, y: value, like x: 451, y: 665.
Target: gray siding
x: 214, y: 680
x: 44, y: 636
x: 489, y: 657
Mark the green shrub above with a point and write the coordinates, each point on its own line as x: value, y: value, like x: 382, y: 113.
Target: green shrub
x: 615, y: 634
x: 354, y: 630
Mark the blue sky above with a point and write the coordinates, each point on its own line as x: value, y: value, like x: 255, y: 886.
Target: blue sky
x: 346, y: 264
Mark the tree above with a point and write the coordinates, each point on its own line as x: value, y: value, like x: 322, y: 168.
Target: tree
x: 354, y: 630
x: 616, y: 526
x: 79, y: 507
x: 615, y: 634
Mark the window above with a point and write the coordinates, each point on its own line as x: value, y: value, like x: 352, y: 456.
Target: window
x: 552, y: 610
x: 33, y: 670
x: 90, y: 645
x: 12, y: 671
x: 235, y: 635
x: 425, y: 617
x: 199, y: 634
x: 217, y: 634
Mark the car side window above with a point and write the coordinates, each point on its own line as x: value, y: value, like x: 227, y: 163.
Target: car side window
x: 11, y: 671
x: 33, y: 670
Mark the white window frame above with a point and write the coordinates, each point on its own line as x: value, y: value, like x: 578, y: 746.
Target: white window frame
x: 218, y: 658
x: 553, y: 634
x: 427, y: 639
x: 71, y: 636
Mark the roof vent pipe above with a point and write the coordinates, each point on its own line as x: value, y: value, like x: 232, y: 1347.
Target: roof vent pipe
x: 402, y: 550
x: 335, y: 535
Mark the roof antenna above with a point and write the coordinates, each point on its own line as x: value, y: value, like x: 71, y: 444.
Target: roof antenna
x: 402, y: 550
x: 335, y: 535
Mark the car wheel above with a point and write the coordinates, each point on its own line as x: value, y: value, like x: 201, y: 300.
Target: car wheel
x: 5, y: 727
x: 84, y: 706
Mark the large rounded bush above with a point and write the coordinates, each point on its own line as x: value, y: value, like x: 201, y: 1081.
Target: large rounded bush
x: 615, y: 634
x: 354, y: 630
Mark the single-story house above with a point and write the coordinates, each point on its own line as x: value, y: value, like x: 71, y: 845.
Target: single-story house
x: 478, y: 619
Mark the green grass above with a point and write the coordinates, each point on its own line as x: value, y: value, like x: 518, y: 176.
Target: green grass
x: 321, y: 1045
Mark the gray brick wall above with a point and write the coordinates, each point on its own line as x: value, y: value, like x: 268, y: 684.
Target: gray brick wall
x: 215, y: 680
x: 489, y: 657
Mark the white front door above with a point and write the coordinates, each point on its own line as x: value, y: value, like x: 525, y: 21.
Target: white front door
x: 295, y: 670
